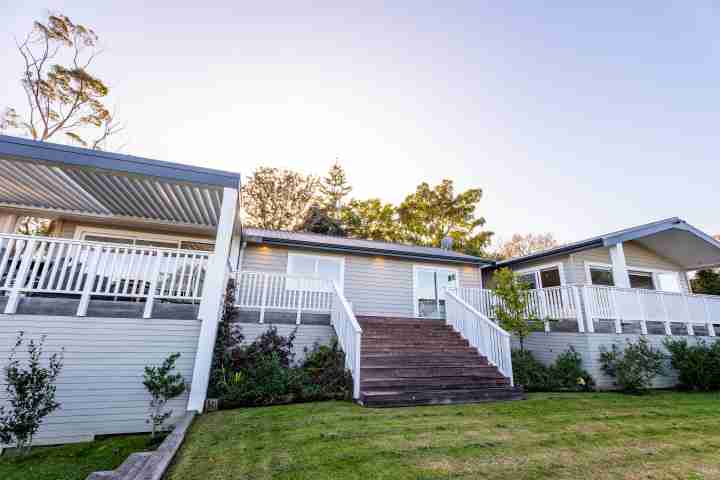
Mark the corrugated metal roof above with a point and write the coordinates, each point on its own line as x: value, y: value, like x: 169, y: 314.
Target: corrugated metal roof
x: 327, y: 242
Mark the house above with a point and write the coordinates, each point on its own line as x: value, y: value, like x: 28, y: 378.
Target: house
x: 137, y: 261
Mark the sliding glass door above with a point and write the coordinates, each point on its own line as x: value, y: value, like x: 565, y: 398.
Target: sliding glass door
x: 429, y: 290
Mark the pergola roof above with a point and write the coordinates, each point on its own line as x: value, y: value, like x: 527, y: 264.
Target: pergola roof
x: 61, y: 179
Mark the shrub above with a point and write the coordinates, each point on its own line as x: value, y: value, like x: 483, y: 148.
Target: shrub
x: 267, y: 382
x: 226, y: 340
x: 635, y: 367
x: 30, y: 393
x: 698, y: 365
x: 512, y: 312
x: 323, y: 375
x: 245, y: 358
x: 163, y: 386
x: 565, y: 374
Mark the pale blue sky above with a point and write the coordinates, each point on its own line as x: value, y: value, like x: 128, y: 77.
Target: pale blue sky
x: 574, y: 120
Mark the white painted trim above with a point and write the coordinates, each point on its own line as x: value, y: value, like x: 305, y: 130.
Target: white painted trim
x: 546, y: 266
x: 81, y: 231
x: 619, y: 266
x: 423, y: 266
x: 631, y: 268
x: 337, y: 258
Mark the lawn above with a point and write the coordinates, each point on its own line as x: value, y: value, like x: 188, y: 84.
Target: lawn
x: 73, y: 461
x: 664, y: 435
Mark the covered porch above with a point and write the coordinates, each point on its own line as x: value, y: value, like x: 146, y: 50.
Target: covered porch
x: 105, y: 276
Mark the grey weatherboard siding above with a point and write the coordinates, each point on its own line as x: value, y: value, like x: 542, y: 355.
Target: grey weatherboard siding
x: 100, y: 387
x: 374, y: 285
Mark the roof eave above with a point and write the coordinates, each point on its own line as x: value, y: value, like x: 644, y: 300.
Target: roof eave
x: 365, y: 251
x: 597, y: 242
x: 24, y: 149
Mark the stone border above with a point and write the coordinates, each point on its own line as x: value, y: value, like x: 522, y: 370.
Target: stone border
x: 150, y: 465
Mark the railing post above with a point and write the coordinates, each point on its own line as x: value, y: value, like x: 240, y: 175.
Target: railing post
x: 588, y: 312
x: 708, y: 318
x: 618, y: 321
x: 356, y: 377
x: 93, y: 261
x: 578, y: 309
x: 643, y: 320
x: 668, y: 328
x: 14, y: 299
x: 150, y: 300
x: 688, y: 324
x: 263, y: 298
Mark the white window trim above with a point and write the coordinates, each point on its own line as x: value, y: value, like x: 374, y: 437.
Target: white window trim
x: 632, y: 268
x: 546, y: 266
x: 419, y: 267
x: 81, y: 232
x: 340, y: 260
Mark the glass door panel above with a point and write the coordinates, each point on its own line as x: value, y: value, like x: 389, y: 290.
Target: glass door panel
x: 430, y: 285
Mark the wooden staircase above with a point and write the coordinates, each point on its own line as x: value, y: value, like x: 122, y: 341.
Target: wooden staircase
x: 424, y: 362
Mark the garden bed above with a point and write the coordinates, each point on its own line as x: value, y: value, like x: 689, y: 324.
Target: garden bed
x: 661, y: 435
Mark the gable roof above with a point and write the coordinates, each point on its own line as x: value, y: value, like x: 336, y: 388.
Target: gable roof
x: 329, y: 243
x: 613, y: 238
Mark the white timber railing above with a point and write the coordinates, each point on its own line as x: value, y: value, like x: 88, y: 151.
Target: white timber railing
x: 632, y: 305
x: 483, y: 334
x: 44, y: 265
x: 277, y: 291
x: 349, y: 334
x: 556, y: 303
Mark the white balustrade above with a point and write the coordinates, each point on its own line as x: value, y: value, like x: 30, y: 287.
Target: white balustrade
x: 349, y: 334
x: 633, y: 305
x: 483, y: 334
x: 43, y: 265
x: 277, y: 291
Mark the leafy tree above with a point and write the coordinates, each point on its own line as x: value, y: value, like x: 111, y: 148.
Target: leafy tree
x: 372, y: 220
x: 318, y: 220
x: 334, y: 188
x: 431, y: 214
x: 30, y: 393
x: 278, y: 199
x: 63, y: 99
x: 521, y: 245
x: 706, y: 282
x: 163, y: 386
x: 512, y: 311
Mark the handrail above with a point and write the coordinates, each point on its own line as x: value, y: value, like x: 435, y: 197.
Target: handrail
x: 349, y: 335
x: 488, y: 338
x: 48, y: 265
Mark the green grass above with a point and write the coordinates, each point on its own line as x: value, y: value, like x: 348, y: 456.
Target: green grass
x: 74, y: 461
x: 664, y: 435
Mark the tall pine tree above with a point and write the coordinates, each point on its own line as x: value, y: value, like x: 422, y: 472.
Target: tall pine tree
x: 333, y: 189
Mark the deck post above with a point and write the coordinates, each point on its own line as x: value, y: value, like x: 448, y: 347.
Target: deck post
x: 93, y: 263
x: 586, y: 307
x: 14, y: 299
x: 150, y: 300
x: 578, y: 309
x: 619, y: 266
x: 212, y: 299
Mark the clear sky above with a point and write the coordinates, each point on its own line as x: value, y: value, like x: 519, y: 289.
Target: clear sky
x: 574, y: 120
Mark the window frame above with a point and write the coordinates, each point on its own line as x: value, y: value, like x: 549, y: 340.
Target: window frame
x: 535, y: 270
x: 340, y: 260
x: 419, y: 267
x: 81, y: 232
x: 654, y: 272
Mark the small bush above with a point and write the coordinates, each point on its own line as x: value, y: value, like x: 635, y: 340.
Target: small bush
x: 163, y: 386
x: 635, y: 367
x: 698, y: 365
x: 267, y: 382
x: 565, y: 374
x: 30, y: 394
x: 323, y: 375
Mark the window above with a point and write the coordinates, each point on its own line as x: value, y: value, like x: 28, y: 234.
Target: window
x: 314, y: 266
x: 642, y: 280
x: 543, y: 277
x: 144, y: 240
x: 601, y: 276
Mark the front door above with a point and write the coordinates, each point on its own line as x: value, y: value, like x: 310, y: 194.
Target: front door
x: 429, y: 290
